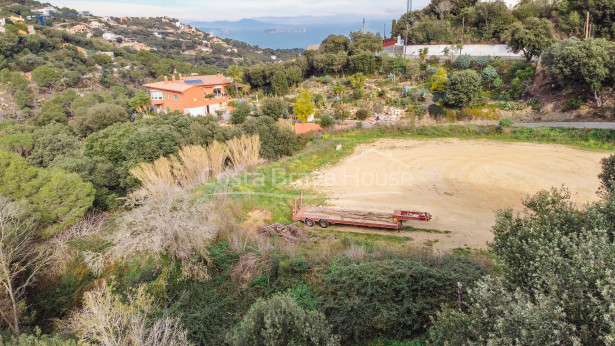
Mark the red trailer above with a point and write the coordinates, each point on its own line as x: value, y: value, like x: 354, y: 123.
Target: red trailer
x: 327, y: 216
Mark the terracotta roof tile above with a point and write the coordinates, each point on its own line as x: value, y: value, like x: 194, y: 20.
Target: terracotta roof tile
x: 306, y: 127
x: 181, y: 86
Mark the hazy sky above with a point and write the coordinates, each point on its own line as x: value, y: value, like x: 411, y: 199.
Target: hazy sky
x: 272, y: 10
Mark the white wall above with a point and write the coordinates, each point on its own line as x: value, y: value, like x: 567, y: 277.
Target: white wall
x: 474, y: 50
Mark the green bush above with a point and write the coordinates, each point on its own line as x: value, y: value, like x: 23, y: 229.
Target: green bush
x: 557, y: 262
x: 483, y: 61
x: 362, y: 114
x: 490, y: 74
x: 99, y: 117
x: 56, y: 199
x: 241, y: 112
x: 274, y: 107
x: 463, y: 62
x: 326, y: 120
x: 280, y: 321
x: 436, y: 111
x: 276, y: 141
x: 572, y: 103
x: 390, y: 297
x: 462, y: 87
x: 431, y: 70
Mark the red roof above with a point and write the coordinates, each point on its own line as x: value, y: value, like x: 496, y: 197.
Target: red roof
x: 181, y: 86
x: 306, y: 127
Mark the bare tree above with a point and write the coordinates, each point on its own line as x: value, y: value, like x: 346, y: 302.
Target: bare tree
x: 443, y: 8
x: 20, y: 263
x: 107, y: 320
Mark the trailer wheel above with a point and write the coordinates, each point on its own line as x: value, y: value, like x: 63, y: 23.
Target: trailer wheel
x: 309, y: 222
x: 323, y: 223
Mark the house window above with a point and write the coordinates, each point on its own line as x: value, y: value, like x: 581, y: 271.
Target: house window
x: 175, y: 97
x: 218, y: 91
x: 156, y: 95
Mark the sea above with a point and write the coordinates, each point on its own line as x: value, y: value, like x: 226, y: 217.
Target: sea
x: 281, y: 36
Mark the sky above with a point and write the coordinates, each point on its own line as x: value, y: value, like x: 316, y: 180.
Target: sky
x: 272, y: 11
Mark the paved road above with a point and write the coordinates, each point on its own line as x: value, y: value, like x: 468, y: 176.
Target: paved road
x: 578, y: 125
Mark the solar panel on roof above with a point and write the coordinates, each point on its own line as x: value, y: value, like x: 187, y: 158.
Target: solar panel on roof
x: 194, y: 81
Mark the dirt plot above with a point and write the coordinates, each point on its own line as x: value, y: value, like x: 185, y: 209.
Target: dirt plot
x: 460, y: 182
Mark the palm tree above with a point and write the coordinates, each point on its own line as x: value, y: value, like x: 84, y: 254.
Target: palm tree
x: 236, y: 73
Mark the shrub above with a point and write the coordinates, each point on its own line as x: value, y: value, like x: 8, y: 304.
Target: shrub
x: 499, y: 65
x: 99, y: 117
x: 463, y: 62
x: 572, y: 103
x: 45, y: 76
x: 439, y: 81
x: 276, y: 141
x: 462, y: 88
x: 490, y: 74
x: 168, y: 224
x: 436, y: 111
x: 607, y: 175
x: 326, y: 120
x: 108, y: 319
x: 431, y: 70
x: 241, y: 112
x: 362, y: 114
x: 399, y: 294
x: 274, y: 107
x: 304, y: 107
x: 483, y: 61
x: 56, y: 199
x: 550, y: 243
x: 433, y: 60
x: 280, y: 321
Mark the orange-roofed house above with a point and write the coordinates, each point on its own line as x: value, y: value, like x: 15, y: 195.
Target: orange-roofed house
x: 194, y: 95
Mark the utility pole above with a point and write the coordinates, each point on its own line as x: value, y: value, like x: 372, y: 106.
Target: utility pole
x: 587, y: 27
x: 384, y: 31
x: 364, y: 25
x: 463, y: 27
x: 406, y: 41
x: 409, y: 6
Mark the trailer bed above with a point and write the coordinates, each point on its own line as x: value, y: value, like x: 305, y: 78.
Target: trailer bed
x: 348, y: 217
x: 326, y: 216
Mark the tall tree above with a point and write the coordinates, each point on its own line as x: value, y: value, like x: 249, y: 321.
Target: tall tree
x: 531, y: 37
x: 20, y: 263
x: 589, y: 64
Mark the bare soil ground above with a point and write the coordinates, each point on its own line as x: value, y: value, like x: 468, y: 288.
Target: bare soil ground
x: 461, y: 182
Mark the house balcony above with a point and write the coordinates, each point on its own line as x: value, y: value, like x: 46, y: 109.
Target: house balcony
x: 157, y: 102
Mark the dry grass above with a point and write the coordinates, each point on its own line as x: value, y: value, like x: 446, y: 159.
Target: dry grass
x: 155, y: 175
x: 248, y: 268
x: 282, y: 124
x: 217, y: 153
x: 244, y: 151
x: 191, y: 165
x: 194, y: 165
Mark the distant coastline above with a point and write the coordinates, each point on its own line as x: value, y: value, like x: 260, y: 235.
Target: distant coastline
x: 276, y: 36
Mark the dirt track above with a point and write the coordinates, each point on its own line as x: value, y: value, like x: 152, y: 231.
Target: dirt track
x: 461, y: 182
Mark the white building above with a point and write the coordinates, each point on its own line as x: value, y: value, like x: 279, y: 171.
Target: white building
x: 509, y: 3
x: 45, y: 11
x: 109, y: 36
x: 96, y: 25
